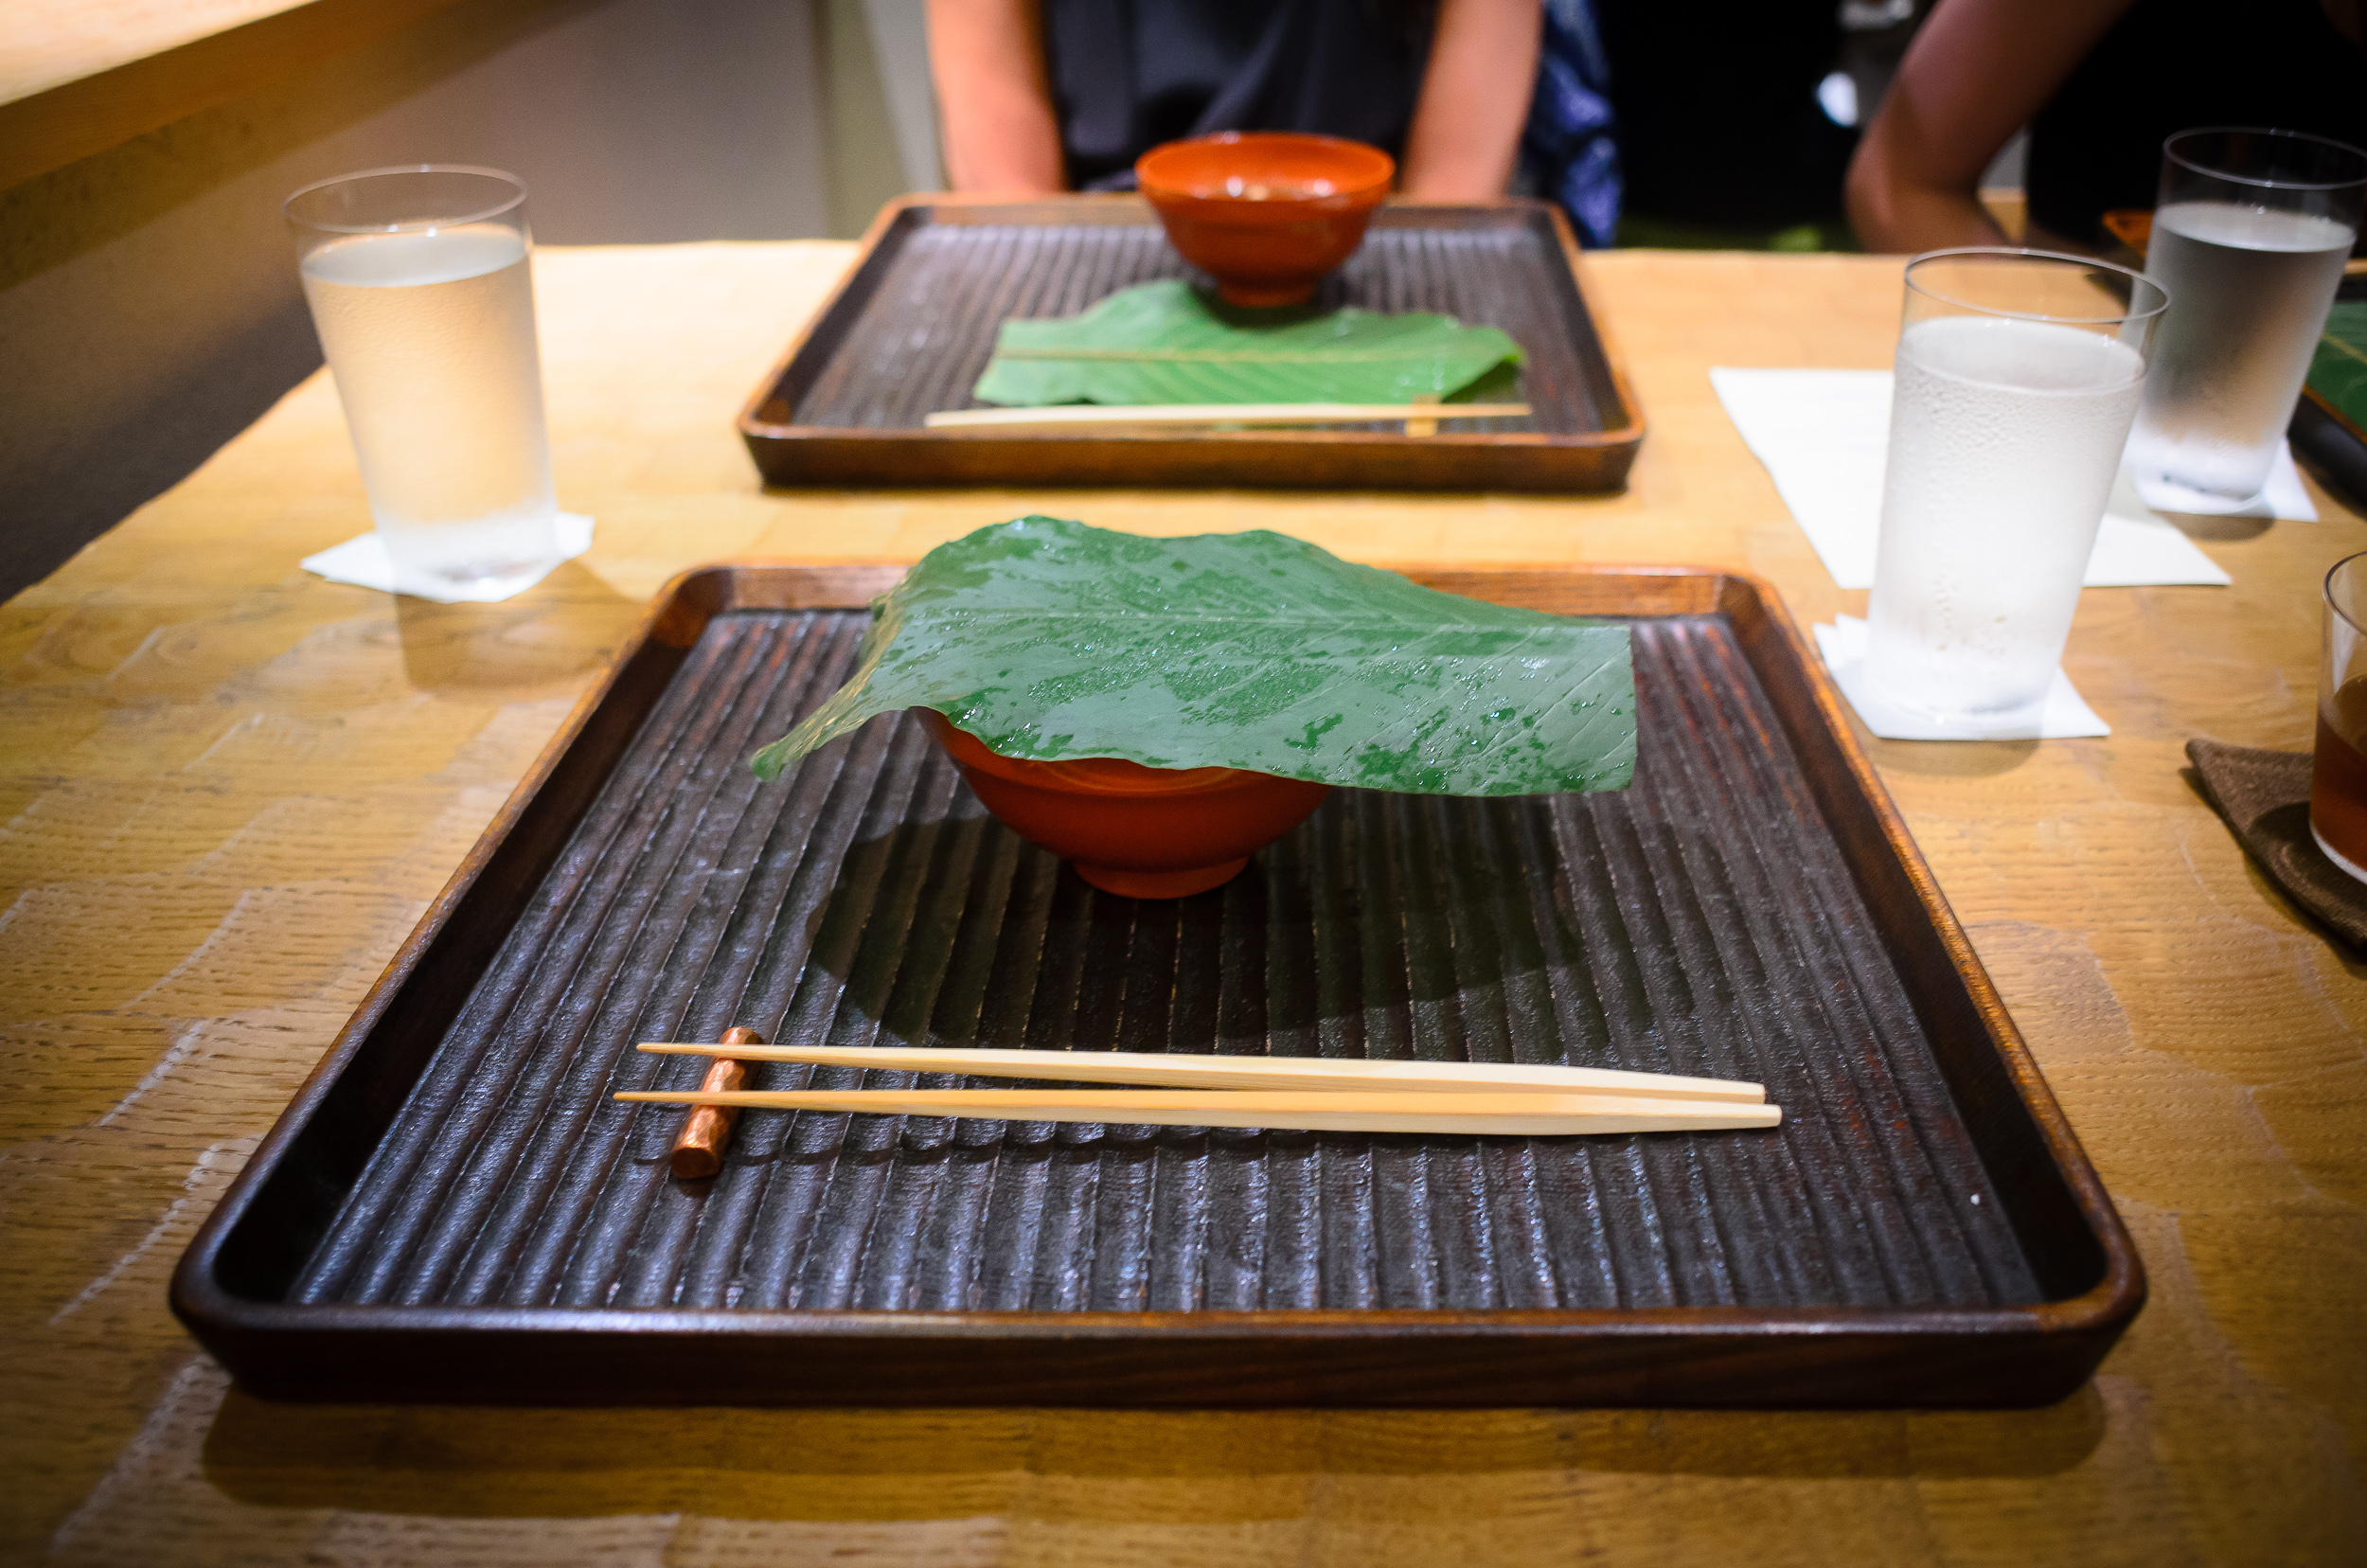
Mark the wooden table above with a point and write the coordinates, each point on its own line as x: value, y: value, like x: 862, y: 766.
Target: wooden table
x: 230, y: 788
x: 78, y: 80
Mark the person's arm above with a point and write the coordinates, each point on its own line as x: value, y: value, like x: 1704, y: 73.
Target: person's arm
x: 1475, y: 98
x: 1977, y: 72
x: 994, y: 99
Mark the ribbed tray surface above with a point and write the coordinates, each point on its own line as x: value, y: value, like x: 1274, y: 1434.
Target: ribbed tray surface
x: 923, y: 339
x: 1701, y: 921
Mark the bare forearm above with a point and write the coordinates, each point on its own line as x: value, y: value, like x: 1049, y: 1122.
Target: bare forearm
x: 1892, y: 211
x: 994, y: 97
x: 1475, y: 98
x: 1978, y: 71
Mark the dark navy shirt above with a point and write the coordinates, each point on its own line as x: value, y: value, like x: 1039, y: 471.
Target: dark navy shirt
x: 1127, y: 75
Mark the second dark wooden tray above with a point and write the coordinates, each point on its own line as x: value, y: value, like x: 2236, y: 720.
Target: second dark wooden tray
x: 911, y: 328
x: 454, y: 1209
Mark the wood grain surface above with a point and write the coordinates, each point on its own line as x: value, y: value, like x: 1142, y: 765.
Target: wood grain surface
x: 230, y: 788
x: 78, y: 78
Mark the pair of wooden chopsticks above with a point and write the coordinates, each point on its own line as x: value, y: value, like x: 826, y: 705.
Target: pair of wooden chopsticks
x: 1417, y: 416
x: 1252, y: 1092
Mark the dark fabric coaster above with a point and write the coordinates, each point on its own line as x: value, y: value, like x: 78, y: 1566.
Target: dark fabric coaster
x: 2265, y: 797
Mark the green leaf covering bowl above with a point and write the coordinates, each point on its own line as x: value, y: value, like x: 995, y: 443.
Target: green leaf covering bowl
x: 1142, y: 833
x: 1165, y: 341
x: 1069, y: 669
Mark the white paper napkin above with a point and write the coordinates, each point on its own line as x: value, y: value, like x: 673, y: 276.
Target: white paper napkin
x: 1824, y: 436
x: 363, y: 562
x: 1842, y: 644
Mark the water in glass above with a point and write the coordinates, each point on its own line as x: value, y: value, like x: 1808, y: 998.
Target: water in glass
x: 431, y: 338
x: 2005, y: 436
x: 2249, y: 289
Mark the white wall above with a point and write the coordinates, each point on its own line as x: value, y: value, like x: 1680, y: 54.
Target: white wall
x: 149, y: 308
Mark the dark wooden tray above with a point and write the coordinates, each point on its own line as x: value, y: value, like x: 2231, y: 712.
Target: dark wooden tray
x: 910, y: 330
x: 454, y: 1209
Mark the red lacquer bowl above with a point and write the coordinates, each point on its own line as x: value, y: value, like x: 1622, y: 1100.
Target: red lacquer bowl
x: 1143, y: 832
x: 1266, y: 213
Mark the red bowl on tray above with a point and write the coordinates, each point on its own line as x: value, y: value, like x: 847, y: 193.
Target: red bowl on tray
x: 1142, y: 833
x: 1268, y: 214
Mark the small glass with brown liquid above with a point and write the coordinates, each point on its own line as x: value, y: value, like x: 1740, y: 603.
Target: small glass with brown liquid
x: 2338, y: 783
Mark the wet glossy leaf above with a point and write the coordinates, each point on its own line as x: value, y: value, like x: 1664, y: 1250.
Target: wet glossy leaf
x: 1050, y: 640
x: 1168, y: 343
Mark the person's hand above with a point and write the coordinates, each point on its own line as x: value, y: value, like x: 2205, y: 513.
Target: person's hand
x: 1475, y: 98
x: 994, y: 97
x: 1977, y: 72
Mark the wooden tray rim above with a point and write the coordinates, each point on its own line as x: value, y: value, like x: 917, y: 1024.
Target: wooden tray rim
x: 675, y: 620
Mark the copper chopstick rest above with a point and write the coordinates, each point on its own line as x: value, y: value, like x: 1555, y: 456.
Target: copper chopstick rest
x: 699, y: 1146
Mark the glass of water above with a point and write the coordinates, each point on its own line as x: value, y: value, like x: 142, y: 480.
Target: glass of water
x: 2250, y: 239
x: 418, y: 285
x: 2017, y: 373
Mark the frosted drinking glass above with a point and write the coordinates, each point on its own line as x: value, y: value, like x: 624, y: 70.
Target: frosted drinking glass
x: 2250, y: 238
x: 2017, y: 373
x: 418, y: 284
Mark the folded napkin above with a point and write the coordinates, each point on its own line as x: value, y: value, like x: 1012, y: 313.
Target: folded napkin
x: 2265, y: 797
x: 2063, y: 716
x: 1824, y: 435
x: 363, y: 562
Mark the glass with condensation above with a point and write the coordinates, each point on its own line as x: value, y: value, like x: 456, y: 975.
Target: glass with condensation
x: 418, y: 284
x: 2250, y: 238
x: 2338, y: 780
x: 2017, y: 373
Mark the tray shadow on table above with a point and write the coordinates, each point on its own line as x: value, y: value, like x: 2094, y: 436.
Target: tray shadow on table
x: 2217, y: 529
x: 552, y: 633
x: 851, y: 1465
x: 1950, y: 759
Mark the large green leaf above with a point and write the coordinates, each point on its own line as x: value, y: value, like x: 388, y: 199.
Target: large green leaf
x: 1167, y: 343
x: 1049, y: 639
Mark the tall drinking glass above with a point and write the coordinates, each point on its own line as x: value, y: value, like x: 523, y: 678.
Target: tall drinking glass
x: 418, y: 281
x: 2338, y: 779
x: 2017, y: 373
x: 2250, y: 239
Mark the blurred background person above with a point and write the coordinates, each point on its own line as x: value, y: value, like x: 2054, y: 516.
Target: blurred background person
x: 2100, y: 83
x: 1570, y: 149
x: 1723, y: 139
x: 1060, y: 95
